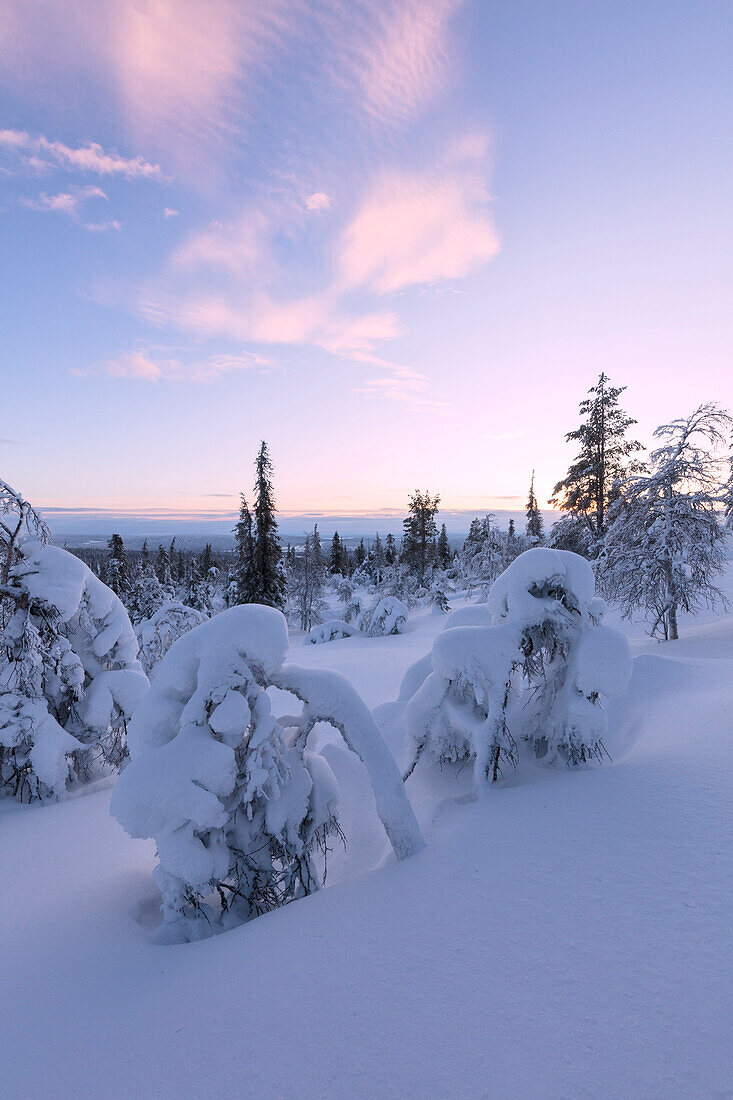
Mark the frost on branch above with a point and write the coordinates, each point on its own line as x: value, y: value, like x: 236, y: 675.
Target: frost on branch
x: 539, y: 674
x: 69, y: 675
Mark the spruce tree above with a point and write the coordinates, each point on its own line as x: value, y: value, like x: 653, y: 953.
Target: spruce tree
x: 118, y: 568
x: 603, y: 459
x: 335, y: 558
x: 419, y: 531
x: 390, y: 550
x: 268, y: 576
x: 244, y: 572
x: 535, y: 525
x: 360, y: 554
x: 443, y: 548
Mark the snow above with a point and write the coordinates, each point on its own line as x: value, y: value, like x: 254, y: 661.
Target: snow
x: 566, y: 936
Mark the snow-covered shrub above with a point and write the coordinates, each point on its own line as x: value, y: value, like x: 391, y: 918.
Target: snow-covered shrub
x: 439, y: 595
x: 388, y: 617
x: 158, y: 633
x: 540, y: 673
x: 330, y: 632
x: 237, y: 804
x: 69, y: 674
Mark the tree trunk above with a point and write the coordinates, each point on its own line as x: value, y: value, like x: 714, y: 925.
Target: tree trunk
x: 673, y: 635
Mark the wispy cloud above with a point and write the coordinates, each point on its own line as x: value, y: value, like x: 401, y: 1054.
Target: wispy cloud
x: 156, y: 365
x: 400, y: 60
x: 168, y: 213
x: 37, y: 153
x: 411, y: 230
x: 69, y: 203
x: 418, y: 229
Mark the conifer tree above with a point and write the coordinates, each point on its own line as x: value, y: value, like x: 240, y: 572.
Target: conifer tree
x: 244, y: 572
x: 376, y: 560
x: 360, y: 554
x: 535, y: 525
x: 390, y: 550
x: 335, y: 558
x: 268, y: 576
x: 419, y: 531
x: 163, y: 570
x: 118, y: 568
x: 443, y: 549
x: 603, y: 459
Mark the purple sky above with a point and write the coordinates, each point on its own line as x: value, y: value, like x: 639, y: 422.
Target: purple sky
x: 397, y: 239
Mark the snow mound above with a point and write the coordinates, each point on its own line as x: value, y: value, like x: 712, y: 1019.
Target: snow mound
x: 329, y: 632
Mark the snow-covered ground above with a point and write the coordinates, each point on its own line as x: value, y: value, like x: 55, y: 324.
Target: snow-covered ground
x: 567, y: 935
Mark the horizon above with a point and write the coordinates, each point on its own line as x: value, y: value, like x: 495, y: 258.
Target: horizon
x: 93, y: 524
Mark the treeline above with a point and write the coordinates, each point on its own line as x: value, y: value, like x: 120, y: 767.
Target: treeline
x: 653, y: 529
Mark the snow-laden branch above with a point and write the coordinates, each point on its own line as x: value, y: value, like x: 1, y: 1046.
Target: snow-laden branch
x: 329, y: 697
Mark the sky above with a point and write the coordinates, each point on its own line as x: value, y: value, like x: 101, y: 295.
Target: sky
x: 397, y: 239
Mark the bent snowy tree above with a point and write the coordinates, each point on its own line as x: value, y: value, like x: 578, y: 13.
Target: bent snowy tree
x: 539, y: 674
x: 329, y: 697
x: 238, y: 806
x: 69, y: 674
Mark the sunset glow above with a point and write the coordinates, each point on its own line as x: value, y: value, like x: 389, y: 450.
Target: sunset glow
x: 398, y: 240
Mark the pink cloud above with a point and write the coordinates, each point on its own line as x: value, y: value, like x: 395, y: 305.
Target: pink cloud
x: 418, y: 229
x: 401, y: 56
x: 69, y: 203
x: 38, y: 153
x: 318, y: 201
x: 239, y: 249
x: 154, y: 365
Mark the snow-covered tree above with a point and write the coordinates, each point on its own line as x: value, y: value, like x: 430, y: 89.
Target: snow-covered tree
x: 376, y: 561
x: 419, y: 531
x: 164, y: 571
x: 118, y: 568
x: 388, y: 616
x: 443, y: 556
x: 244, y: 540
x: 269, y: 579
x: 390, y: 550
x: 69, y: 674
x: 336, y: 555
x: 146, y: 595
x: 439, y: 590
x: 540, y: 673
x: 19, y: 522
x: 666, y: 542
x: 238, y: 805
x: 535, y: 525
x: 305, y: 584
x: 165, y: 626
x: 602, y: 461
